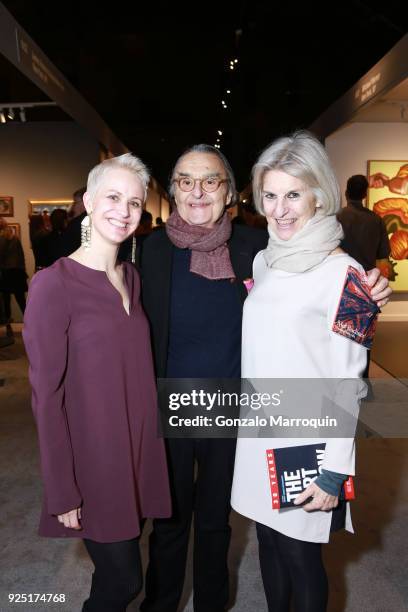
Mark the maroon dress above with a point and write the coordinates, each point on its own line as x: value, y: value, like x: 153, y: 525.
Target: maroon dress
x: 94, y: 401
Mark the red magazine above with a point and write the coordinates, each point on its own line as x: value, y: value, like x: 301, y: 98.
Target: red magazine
x: 291, y: 469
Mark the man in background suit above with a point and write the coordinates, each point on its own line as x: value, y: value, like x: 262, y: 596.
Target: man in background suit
x: 365, y: 236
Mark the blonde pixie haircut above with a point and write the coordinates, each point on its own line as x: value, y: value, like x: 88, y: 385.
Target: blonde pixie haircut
x: 301, y: 155
x: 127, y: 161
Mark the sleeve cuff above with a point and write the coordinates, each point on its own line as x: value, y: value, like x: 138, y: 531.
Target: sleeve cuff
x: 330, y: 482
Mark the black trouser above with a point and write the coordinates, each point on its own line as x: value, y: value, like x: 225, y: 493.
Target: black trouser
x: 209, y: 498
x: 367, y: 368
x: 117, y: 578
x: 20, y: 299
x: 291, y: 568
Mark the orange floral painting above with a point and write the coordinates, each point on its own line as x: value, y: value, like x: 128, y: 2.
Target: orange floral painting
x: 388, y: 198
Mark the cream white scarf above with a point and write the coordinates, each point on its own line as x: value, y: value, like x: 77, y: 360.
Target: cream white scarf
x: 307, y: 248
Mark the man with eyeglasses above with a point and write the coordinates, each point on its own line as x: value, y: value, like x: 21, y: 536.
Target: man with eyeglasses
x: 193, y: 290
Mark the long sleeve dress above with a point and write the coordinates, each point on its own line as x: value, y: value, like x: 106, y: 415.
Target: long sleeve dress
x: 94, y: 402
x: 287, y: 333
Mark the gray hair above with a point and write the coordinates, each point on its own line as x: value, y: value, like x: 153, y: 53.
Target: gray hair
x: 301, y: 155
x: 127, y: 161
x: 209, y: 149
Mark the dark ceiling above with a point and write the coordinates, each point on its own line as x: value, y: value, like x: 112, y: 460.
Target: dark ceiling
x: 157, y: 72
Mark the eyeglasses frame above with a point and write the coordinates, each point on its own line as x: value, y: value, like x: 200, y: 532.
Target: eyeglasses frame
x: 176, y: 180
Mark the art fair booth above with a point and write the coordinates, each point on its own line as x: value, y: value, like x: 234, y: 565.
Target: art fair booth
x: 366, y: 132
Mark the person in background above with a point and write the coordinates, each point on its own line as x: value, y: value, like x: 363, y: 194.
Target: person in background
x: 77, y: 207
x: 52, y: 244
x: 159, y: 223
x: 193, y: 291
x: 289, y: 333
x: 365, y: 235
x: 37, y: 232
x: 7, y: 339
x: 94, y: 396
x: 47, y: 220
x: 145, y: 227
x: 71, y: 239
x: 13, y: 273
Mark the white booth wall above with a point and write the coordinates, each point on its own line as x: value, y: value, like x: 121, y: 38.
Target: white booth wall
x: 42, y: 161
x: 349, y: 150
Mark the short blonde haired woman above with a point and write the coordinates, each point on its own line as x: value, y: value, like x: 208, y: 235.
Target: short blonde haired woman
x: 94, y: 397
x: 288, y: 333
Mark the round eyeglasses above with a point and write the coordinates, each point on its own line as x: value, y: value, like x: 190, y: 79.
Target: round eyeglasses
x: 209, y: 184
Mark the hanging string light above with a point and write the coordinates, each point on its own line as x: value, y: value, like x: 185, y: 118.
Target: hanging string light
x: 231, y: 66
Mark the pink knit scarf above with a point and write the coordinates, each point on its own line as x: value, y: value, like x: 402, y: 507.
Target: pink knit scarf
x: 209, y: 251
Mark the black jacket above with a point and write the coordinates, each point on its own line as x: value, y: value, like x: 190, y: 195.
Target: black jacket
x: 365, y: 235
x: 156, y: 268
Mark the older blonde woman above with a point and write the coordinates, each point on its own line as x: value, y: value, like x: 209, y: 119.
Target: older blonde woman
x: 94, y: 396
x: 287, y: 333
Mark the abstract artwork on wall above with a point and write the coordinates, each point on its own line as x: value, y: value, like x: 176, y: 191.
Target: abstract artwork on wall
x: 388, y: 198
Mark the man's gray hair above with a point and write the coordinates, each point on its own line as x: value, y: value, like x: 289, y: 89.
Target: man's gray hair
x: 301, y: 155
x: 127, y: 161
x: 209, y: 149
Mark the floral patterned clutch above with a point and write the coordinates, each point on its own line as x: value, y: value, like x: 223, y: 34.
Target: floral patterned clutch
x: 356, y: 315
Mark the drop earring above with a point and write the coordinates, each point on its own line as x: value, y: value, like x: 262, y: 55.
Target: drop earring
x: 86, y: 231
x: 133, y: 256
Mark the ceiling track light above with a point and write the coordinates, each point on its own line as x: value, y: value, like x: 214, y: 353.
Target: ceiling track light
x: 7, y: 110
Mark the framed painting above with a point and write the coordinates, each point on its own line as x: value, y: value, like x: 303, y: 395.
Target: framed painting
x: 388, y: 197
x: 38, y: 207
x: 6, y: 206
x: 15, y: 229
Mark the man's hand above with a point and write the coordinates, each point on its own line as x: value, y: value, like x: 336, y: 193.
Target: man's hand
x: 71, y: 519
x: 321, y: 500
x: 380, y: 289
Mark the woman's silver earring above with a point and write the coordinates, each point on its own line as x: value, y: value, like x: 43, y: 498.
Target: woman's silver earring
x: 133, y: 257
x: 86, y: 231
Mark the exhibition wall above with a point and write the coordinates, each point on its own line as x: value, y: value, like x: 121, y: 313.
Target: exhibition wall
x: 350, y: 148
x: 42, y: 161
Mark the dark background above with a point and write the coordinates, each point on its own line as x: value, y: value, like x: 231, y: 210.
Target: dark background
x: 157, y: 71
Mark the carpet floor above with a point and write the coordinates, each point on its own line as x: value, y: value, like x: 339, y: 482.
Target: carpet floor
x: 367, y: 571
